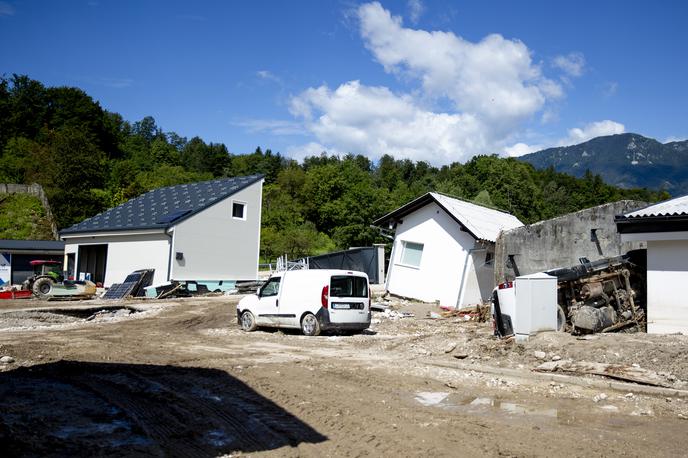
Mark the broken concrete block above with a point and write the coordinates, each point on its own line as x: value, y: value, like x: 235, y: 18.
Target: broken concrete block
x: 540, y: 354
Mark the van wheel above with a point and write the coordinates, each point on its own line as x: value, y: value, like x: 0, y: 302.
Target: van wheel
x: 248, y: 321
x: 310, y: 325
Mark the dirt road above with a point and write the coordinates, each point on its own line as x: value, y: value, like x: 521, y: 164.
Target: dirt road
x: 178, y: 378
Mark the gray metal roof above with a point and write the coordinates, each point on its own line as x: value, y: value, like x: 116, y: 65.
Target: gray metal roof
x: 482, y: 222
x: 485, y: 223
x: 164, y: 207
x: 672, y: 207
x: 32, y: 245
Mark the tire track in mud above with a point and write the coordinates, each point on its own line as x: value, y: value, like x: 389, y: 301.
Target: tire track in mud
x: 127, y: 409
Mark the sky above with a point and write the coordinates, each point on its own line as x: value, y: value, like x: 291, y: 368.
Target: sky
x: 432, y: 80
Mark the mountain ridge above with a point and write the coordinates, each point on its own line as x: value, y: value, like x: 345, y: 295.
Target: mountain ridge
x: 626, y: 160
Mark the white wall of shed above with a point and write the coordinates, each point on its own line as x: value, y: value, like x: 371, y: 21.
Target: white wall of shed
x: 216, y: 246
x: 667, y: 273
x: 127, y: 253
x: 445, y: 252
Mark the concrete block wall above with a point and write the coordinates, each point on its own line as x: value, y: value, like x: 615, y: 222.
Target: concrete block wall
x: 561, y: 241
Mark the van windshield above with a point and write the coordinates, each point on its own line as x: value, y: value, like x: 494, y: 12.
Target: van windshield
x: 348, y: 286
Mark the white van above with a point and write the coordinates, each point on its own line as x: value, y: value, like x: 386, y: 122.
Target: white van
x: 312, y: 300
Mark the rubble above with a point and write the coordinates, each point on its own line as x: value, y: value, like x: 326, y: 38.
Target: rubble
x: 6, y: 360
x: 628, y: 373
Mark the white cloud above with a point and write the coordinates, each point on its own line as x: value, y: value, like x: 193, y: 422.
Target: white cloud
x: 592, y: 130
x: 300, y: 152
x: 574, y: 136
x: 673, y: 138
x: 6, y: 9
x: 610, y: 88
x: 488, y: 90
x: 519, y: 149
x: 572, y: 64
x: 375, y: 121
x: 494, y: 78
x: 273, y: 126
x: 267, y: 75
x: 416, y: 9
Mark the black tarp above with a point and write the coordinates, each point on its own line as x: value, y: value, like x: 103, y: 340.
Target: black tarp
x: 360, y: 259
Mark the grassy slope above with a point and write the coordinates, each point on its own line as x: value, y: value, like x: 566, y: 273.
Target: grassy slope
x: 22, y: 217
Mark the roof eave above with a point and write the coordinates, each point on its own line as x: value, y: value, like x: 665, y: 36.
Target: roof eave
x: 114, y: 231
x: 404, y: 210
x: 416, y: 204
x: 660, y: 223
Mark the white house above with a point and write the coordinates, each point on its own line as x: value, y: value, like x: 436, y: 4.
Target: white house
x: 208, y: 231
x: 444, y: 249
x: 664, y: 226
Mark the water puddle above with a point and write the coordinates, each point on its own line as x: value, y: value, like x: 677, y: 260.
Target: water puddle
x: 567, y: 412
x: 431, y: 399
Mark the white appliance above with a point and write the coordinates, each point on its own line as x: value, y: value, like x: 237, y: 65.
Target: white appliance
x: 535, y: 307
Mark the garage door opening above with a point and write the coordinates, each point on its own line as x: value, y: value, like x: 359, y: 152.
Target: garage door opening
x: 92, y: 260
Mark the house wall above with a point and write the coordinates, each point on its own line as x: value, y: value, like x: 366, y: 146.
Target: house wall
x: 127, y: 253
x: 560, y: 242
x: 444, y: 261
x: 216, y: 246
x: 667, y: 275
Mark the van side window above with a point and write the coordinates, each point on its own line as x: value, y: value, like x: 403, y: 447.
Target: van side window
x: 271, y: 288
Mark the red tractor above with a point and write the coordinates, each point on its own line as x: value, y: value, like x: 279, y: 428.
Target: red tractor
x: 46, y: 274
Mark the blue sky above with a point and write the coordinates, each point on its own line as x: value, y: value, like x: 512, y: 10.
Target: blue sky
x: 429, y: 80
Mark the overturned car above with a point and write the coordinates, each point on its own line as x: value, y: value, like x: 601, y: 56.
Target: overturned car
x: 599, y: 296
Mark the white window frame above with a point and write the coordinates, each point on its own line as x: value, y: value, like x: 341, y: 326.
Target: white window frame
x: 404, y: 244
x: 244, y: 204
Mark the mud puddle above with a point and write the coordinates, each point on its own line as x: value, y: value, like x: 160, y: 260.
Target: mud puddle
x: 543, y: 412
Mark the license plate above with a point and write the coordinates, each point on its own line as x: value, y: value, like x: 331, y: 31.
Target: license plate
x: 341, y: 305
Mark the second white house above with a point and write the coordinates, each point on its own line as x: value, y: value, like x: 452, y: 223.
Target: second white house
x: 444, y: 249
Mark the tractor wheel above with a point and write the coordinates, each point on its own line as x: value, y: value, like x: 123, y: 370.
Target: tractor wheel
x: 42, y: 287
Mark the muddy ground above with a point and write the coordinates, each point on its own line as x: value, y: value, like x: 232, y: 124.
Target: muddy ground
x: 179, y: 378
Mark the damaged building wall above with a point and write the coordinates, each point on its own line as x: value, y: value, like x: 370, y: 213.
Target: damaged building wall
x: 562, y: 241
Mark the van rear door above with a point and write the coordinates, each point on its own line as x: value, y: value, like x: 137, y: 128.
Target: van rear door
x: 348, y: 299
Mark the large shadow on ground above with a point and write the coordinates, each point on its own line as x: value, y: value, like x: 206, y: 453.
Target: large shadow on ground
x: 72, y: 408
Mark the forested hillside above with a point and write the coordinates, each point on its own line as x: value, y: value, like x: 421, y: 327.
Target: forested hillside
x: 89, y: 159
